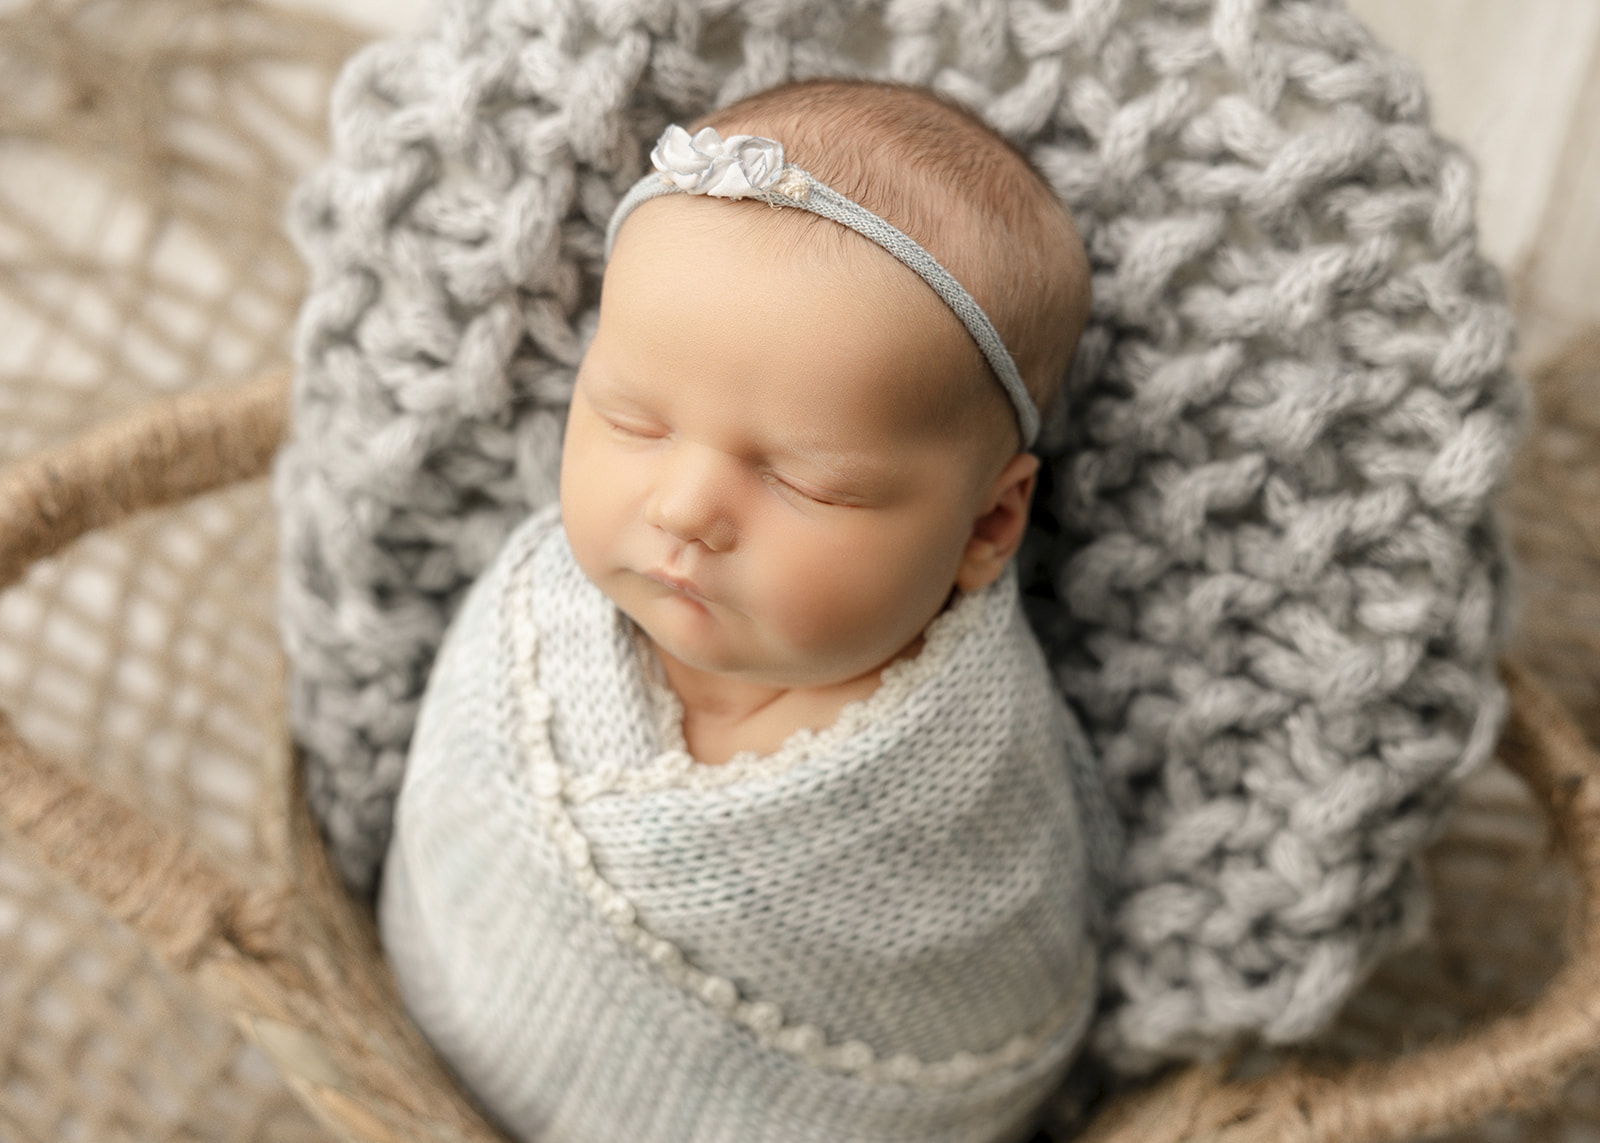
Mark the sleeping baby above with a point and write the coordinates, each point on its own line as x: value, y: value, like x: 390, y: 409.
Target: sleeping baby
x: 742, y: 805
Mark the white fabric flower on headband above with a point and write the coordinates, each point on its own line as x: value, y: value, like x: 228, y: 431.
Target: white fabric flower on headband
x: 706, y: 163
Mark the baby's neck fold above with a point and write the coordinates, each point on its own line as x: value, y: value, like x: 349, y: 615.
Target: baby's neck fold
x: 724, y: 715
x: 713, y: 695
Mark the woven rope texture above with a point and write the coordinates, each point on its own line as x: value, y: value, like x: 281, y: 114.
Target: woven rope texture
x: 146, y: 151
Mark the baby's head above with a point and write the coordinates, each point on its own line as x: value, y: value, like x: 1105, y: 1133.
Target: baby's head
x: 785, y: 449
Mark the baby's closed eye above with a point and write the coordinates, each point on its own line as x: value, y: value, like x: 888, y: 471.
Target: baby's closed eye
x: 813, y: 492
x: 796, y: 488
x: 630, y: 428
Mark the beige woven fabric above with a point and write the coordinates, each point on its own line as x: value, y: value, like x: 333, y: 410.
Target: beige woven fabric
x: 145, y: 152
x: 145, y: 147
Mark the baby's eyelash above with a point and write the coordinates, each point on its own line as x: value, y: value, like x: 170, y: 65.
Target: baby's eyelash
x: 777, y: 481
x: 633, y: 432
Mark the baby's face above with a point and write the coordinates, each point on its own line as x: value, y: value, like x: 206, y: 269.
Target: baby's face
x: 749, y: 473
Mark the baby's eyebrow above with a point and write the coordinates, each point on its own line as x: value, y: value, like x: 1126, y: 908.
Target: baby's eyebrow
x: 853, y: 469
x: 606, y: 385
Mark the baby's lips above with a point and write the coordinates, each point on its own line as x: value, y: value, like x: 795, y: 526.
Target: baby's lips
x: 679, y: 584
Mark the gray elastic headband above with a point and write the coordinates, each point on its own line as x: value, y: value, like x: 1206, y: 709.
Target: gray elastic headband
x: 748, y: 166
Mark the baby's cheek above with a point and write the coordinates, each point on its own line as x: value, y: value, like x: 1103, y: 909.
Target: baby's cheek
x: 587, y: 531
x: 834, y: 620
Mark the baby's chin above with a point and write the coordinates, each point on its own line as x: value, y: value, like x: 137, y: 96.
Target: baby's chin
x: 795, y: 671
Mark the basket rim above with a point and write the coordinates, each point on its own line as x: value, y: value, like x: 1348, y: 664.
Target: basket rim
x: 194, y: 914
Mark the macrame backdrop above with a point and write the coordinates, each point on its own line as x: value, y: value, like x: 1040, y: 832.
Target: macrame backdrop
x: 1262, y: 562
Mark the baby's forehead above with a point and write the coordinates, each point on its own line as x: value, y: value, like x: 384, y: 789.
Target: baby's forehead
x: 827, y: 293
x: 791, y: 255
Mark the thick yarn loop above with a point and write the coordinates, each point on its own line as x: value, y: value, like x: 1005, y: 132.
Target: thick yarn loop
x: 1262, y: 560
x: 1522, y: 1059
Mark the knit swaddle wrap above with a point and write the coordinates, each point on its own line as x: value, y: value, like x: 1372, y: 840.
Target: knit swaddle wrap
x: 876, y: 933
x: 1263, y: 562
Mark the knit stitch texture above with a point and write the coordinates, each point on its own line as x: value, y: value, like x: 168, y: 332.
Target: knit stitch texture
x: 875, y: 933
x: 1262, y: 560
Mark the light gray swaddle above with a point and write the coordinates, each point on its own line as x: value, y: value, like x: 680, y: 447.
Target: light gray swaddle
x: 879, y: 932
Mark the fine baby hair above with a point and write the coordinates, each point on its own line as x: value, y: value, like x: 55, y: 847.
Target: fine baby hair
x: 954, y: 186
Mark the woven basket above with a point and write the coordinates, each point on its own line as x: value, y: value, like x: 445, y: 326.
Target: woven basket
x: 140, y: 666
x: 295, y: 960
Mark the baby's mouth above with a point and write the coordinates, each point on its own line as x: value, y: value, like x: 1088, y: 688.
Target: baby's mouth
x: 678, y: 584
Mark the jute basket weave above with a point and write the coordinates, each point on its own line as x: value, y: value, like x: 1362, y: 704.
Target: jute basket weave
x: 294, y: 959
x: 160, y: 884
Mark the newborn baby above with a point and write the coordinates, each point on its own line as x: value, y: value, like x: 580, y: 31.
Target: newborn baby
x: 742, y: 805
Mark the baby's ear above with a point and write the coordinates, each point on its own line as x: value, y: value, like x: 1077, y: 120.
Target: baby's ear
x: 997, y: 533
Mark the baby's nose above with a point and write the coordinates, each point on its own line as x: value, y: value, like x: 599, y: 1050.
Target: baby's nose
x: 692, y: 501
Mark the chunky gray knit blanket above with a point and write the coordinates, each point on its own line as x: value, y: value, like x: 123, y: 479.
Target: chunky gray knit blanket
x: 1262, y: 562
x: 877, y: 933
